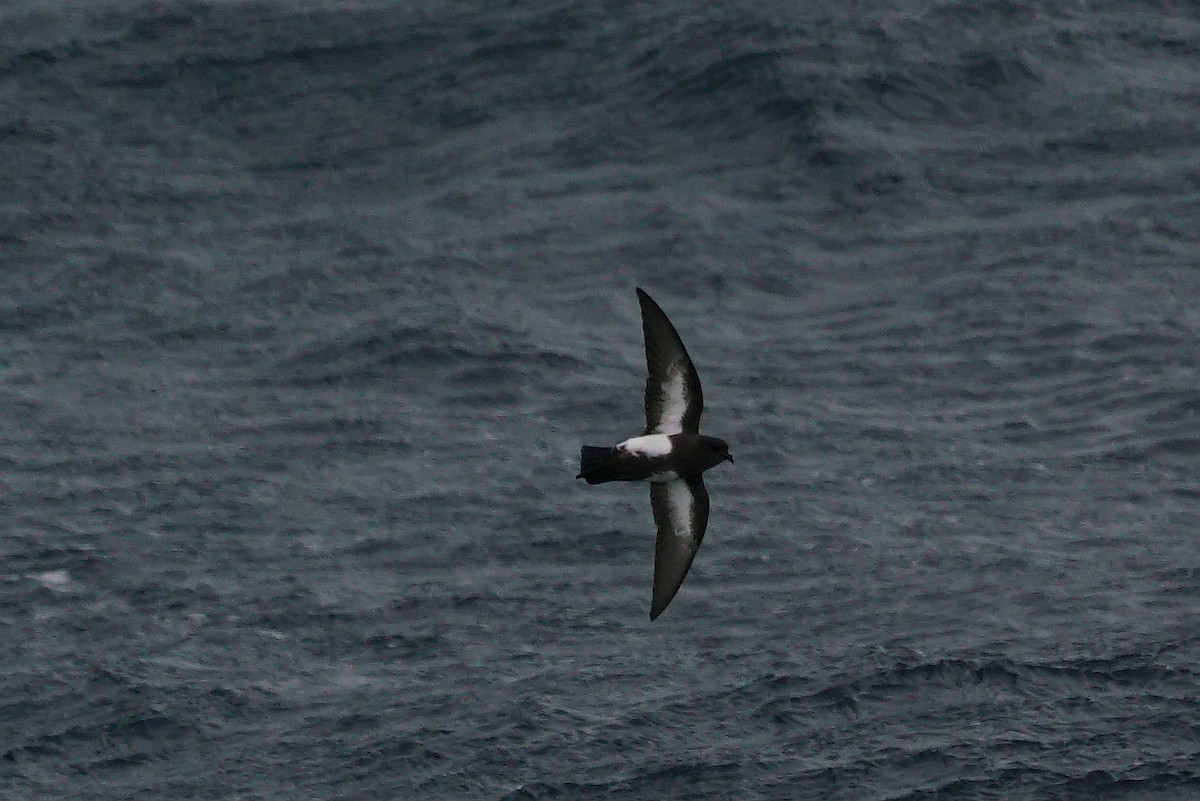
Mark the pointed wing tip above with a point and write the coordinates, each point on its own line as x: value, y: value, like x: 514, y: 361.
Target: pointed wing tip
x: 659, y: 604
x: 661, y: 600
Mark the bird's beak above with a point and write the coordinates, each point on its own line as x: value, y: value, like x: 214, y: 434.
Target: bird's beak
x: 729, y: 456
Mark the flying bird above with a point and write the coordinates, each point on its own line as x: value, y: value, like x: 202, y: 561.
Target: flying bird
x: 671, y: 454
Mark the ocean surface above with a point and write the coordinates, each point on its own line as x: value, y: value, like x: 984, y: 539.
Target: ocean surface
x: 306, y: 308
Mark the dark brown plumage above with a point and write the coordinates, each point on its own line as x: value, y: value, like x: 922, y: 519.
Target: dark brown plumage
x: 671, y: 454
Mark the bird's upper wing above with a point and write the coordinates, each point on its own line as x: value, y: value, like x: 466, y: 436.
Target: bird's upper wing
x: 681, y: 514
x: 674, y: 400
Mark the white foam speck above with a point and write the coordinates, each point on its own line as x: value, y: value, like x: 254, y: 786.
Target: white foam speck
x: 53, y: 579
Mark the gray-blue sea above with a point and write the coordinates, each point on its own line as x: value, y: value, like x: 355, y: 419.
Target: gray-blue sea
x: 307, y: 306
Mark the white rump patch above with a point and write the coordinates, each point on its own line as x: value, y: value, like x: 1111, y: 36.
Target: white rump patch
x: 648, y: 445
x: 674, y: 401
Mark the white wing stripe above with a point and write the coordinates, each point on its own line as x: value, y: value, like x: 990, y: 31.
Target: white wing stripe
x: 674, y: 396
x: 679, y: 498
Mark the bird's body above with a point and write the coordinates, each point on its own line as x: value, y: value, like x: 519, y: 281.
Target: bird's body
x: 671, y: 454
x: 651, y: 457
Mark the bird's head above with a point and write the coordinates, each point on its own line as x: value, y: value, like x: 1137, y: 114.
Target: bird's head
x: 717, y: 451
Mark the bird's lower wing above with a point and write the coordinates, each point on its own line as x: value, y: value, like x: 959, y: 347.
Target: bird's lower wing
x: 681, y: 514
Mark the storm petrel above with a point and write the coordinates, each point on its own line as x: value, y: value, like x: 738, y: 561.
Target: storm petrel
x: 671, y: 454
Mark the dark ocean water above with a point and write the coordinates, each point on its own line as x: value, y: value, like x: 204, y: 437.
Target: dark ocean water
x: 305, y: 308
